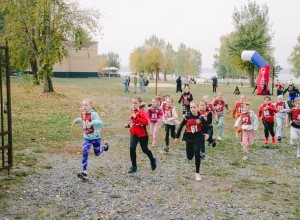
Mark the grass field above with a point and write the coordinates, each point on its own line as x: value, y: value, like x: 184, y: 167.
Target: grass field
x: 269, y: 181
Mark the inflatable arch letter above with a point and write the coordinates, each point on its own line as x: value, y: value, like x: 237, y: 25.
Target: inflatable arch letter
x: 264, y: 70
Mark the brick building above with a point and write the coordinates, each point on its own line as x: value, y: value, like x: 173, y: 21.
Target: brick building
x: 78, y: 64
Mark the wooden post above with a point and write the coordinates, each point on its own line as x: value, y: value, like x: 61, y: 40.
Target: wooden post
x: 156, y: 78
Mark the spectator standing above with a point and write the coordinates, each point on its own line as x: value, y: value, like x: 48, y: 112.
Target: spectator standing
x: 141, y: 81
x: 135, y: 81
x: 146, y: 83
x: 178, y: 85
x: 215, y: 84
x: 186, y: 81
x: 126, y: 83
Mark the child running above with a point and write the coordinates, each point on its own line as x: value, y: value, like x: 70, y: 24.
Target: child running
x: 170, y: 120
x: 282, y: 108
x: 91, y: 124
x: 294, y: 116
x: 236, y: 112
x: 207, y: 114
x: 266, y: 113
x: 249, y: 123
x: 218, y: 104
x: 186, y: 98
x: 138, y: 134
x: 196, y: 130
x: 154, y: 114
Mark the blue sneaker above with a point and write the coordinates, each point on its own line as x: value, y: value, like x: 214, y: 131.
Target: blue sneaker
x: 154, y: 165
x: 132, y: 170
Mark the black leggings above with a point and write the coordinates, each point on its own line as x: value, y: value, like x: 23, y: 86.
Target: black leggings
x: 268, y: 127
x: 134, y: 140
x: 210, y: 132
x: 193, y: 149
x: 167, y: 129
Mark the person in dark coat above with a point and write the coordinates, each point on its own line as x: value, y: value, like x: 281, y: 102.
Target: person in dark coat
x: 178, y: 85
x: 215, y: 83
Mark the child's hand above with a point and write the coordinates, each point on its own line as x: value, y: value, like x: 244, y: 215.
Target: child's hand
x: 228, y: 111
x: 126, y: 125
x: 133, y: 115
x: 90, y: 124
x: 260, y: 118
x: 176, y: 140
x: 206, y: 136
x: 73, y: 123
x: 286, y: 125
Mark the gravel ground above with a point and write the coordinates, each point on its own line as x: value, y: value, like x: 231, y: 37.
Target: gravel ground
x: 170, y: 192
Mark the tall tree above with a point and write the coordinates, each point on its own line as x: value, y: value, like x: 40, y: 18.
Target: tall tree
x: 252, y: 32
x: 113, y: 60
x: 167, y: 65
x: 136, y: 60
x: 153, y: 60
x: 223, y: 61
x: 36, y: 30
x: 188, y: 61
x: 294, y: 59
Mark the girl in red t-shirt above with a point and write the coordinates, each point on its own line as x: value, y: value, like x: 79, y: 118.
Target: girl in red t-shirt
x: 266, y: 113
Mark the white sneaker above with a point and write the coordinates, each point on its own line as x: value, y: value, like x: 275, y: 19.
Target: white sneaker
x: 245, y: 157
x: 198, y: 177
x: 298, y: 153
x: 219, y: 138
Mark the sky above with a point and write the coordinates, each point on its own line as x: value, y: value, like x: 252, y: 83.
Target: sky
x: 198, y: 24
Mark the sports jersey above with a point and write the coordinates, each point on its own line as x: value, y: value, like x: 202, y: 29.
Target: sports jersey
x: 268, y: 113
x: 196, y: 126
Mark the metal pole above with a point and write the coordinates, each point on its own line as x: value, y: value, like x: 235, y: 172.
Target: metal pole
x: 156, y: 79
x: 273, y: 73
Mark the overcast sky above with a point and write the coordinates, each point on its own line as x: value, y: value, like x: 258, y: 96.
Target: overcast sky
x: 198, y: 24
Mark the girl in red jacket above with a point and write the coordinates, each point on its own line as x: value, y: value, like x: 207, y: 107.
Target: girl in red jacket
x: 194, y: 135
x: 266, y: 113
x: 138, y: 133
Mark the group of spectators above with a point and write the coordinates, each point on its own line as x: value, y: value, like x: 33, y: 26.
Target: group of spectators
x: 141, y: 80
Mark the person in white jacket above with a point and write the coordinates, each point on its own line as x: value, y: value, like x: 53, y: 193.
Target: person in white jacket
x: 249, y: 123
x: 282, y: 108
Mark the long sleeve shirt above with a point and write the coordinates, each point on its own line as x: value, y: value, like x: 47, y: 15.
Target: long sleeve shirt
x: 196, y: 126
x: 90, y: 132
x: 248, y: 120
x: 267, y: 112
x: 186, y: 98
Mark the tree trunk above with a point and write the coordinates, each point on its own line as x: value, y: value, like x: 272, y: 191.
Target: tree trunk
x: 251, y: 76
x: 48, y: 87
x: 34, y: 68
x: 165, y: 76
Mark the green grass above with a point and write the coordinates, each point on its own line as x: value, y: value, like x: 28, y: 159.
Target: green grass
x: 42, y: 127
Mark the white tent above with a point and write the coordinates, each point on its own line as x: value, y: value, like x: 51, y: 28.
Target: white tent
x: 110, y: 70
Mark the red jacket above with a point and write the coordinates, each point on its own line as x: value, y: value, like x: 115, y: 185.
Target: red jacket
x: 138, y: 124
x: 267, y: 111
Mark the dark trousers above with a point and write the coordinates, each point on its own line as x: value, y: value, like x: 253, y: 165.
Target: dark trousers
x: 178, y: 89
x: 214, y: 89
x: 268, y: 127
x: 185, y: 109
x: 210, y: 132
x: 193, y: 149
x: 134, y: 140
x: 169, y: 128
